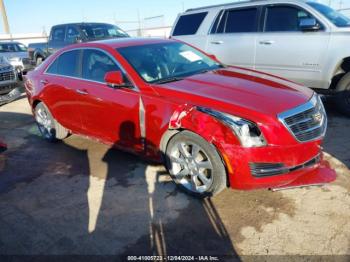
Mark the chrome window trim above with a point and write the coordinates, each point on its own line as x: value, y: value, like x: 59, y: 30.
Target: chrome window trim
x: 308, y: 105
x: 219, y: 14
x: 89, y: 80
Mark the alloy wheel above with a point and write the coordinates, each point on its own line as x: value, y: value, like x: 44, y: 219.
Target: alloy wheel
x: 191, y: 167
x: 44, y: 121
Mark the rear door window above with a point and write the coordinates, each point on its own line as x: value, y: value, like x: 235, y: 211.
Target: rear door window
x: 72, y: 34
x: 237, y: 21
x: 58, y: 34
x: 189, y: 24
x: 241, y: 21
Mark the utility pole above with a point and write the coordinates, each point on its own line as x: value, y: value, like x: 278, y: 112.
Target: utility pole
x: 4, y: 17
x: 140, y: 23
x: 340, y: 5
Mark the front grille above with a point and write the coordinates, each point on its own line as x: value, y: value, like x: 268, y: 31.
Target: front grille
x: 267, y: 169
x: 306, y: 122
x: 6, y: 76
x: 5, y: 69
x: 272, y: 169
x: 6, y: 89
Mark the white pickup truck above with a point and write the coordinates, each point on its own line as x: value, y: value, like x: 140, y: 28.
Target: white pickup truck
x: 303, y: 41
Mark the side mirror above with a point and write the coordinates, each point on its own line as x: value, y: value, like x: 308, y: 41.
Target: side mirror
x: 115, y: 79
x: 309, y: 24
x: 213, y: 57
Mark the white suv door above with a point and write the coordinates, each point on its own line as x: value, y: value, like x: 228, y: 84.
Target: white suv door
x: 233, y: 35
x: 284, y: 49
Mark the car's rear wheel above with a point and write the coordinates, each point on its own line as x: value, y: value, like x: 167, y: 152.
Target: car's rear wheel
x: 195, y: 165
x: 49, y: 128
x: 343, y: 95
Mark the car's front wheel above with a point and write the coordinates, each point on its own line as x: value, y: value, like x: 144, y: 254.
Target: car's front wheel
x: 49, y: 128
x: 343, y: 95
x: 195, y: 165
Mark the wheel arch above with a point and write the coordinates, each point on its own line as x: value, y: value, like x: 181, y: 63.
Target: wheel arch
x: 35, y: 103
x: 342, y: 68
x: 187, y: 118
x: 38, y: 53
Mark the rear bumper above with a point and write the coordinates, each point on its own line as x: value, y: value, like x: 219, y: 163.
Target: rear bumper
x: 301, y: 164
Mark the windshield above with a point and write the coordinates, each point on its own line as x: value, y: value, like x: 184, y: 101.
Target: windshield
x: 100, y: 31
x: 165, y: 62
x: 335, y: 17
x: 12, y: 47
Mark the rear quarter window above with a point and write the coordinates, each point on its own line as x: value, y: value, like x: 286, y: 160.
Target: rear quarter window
x: 189, y: 24
x: 67, y: 64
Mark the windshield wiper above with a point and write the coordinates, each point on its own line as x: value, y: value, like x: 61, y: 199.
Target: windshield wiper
x: 168, y: 80
x: 210, y: 69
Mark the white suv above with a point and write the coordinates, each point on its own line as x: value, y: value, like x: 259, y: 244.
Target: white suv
x: 306, y: 42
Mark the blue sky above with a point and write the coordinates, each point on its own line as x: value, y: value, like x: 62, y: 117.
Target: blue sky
x: 32, y: 16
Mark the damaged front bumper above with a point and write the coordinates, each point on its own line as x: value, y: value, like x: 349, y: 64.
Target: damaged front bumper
x: 278, y: 166
x: 9, y: 97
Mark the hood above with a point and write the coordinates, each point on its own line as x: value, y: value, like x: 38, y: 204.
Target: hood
x: 233, y: 88
x: 342, y: 30
x: 9, y: 55
x: 5, y: 66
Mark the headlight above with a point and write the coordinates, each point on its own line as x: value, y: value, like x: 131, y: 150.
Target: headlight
x: 4, y: 60
x: 247, y: 132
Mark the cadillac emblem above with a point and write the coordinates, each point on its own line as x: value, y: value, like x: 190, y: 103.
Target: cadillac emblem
x: 317, y: 117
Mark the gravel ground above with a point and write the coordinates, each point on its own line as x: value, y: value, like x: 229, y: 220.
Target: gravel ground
x: 81, y: 197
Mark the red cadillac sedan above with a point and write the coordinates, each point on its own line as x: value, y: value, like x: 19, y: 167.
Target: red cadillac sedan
x: 213, y: 126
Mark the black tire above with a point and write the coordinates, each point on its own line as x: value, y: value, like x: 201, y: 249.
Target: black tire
x: 343, y: 95
x: 39, y: 60
x: 50, y: 131
x: 217, y: 173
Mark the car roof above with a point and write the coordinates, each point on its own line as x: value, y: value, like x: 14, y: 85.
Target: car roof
x: 9, y: 42
x: 82, y: 23
x: 127, y: 41
x: 238, y: 3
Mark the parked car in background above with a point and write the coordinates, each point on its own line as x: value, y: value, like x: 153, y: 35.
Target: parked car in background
x: 67, y: 34
x: 8, y: 82
x: 17, y: 55
x: 213, y: 126
x: 306, y: 42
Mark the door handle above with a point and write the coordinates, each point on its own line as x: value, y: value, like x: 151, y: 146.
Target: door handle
x: 217, y: 42
x: 44, y: 81
x: 266, y: 42
x: 82, y: 92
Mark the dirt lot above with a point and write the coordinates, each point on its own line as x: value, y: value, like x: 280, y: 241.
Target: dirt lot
x: 81, y: 197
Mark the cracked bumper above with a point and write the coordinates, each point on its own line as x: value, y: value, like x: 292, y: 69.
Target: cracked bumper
x: 241, y: 176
